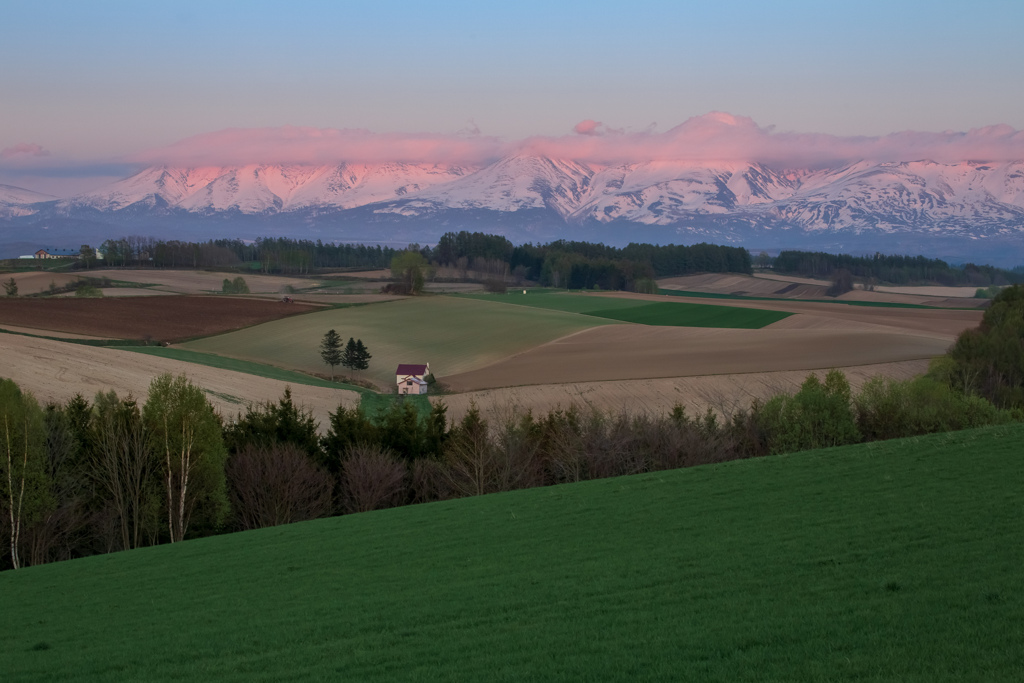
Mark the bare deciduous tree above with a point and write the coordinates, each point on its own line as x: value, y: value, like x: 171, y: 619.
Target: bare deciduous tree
x: 372, y: 478
x: 123, y: 464
x: 278, y: 484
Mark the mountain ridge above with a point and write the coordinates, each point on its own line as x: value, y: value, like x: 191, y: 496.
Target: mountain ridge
x: 538, y: 197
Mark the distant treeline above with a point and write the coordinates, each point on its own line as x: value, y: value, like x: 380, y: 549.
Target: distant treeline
x: 898, y: 270
x: 573, y: 265
x: 584, y: 265
x: 83, y: 478
x: 271, y: 255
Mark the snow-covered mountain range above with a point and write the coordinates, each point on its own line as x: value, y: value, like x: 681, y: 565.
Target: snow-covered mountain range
x: 867, y: 204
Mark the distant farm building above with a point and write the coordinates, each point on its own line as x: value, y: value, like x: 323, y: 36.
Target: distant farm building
x: 51, y: 252
x: 411, y: 378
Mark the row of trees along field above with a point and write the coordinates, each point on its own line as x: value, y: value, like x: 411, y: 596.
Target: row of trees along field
x: 575, y: 265
x: 899, y: 270
x: 83, y: 478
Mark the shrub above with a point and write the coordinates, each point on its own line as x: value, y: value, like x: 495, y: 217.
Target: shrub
x: 891, y: 409
x: 236, y: 286
x: 818, y: 416
x: 645, y: 285
x: 989, y: 361
x: 842, y: 282
x: 495, y: 286
x: 88, y: 291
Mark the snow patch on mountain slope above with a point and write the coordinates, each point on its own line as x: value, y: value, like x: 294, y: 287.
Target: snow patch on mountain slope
x: 17, y: 201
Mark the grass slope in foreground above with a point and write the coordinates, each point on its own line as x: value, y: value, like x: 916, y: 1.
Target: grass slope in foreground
x: 897, y: 560
x: 642, y: 311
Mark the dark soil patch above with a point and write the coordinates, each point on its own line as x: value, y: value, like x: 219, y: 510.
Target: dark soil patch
x: 166, y: 318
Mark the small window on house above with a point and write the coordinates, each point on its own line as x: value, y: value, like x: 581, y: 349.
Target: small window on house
x: 408, y: 382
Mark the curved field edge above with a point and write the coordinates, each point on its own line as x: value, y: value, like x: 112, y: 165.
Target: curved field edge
x: 370, y: 401
x: 668, y: 313
x: 887, y: 561
x: 248, y: 367
x: 452, y: 334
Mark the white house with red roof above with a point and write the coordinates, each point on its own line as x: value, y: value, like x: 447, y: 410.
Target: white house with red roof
x: 411, y: 378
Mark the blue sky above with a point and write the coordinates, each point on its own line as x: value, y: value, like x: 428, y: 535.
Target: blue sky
x: 92, y: 82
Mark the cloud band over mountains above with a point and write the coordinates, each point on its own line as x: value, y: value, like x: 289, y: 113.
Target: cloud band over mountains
x: 712, y: 137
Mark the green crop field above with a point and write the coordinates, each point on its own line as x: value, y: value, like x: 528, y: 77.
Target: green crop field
x: 891, y: 561
x: 452, y: 334
x: 670, y: 313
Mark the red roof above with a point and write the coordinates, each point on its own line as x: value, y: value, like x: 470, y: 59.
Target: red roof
x: 408, y: 369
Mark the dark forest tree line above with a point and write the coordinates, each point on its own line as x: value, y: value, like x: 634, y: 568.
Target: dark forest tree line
x: 585, y: 265
x: 900, y: 270
x: 574, y: 265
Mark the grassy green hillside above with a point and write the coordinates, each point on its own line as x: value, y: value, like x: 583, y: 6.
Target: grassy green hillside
x: 452, y: 334
x: 668, y: 313
x: 892, y: 561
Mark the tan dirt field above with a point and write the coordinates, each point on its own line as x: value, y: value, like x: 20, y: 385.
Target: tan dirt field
x: 745, y: 285
x: 172, y: 318
x: 199, y: 281
x: 725, y: 394
x: 317, y: 298
x: 924, y: 290
x: 921, y: 290
x: 787, y: 287
x: 56, y: 371
x: 46, y: 333
x: 35, y: 282
x: 620, y: 352
x: 820, y: 336
x: 126, y: 291
x: 768, y: 275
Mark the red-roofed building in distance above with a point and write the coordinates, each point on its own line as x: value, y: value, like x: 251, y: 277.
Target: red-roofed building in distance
x: 412, y: 378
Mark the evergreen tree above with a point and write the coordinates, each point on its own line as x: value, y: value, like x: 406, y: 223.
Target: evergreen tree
x: 361, y: 356
x: 330, y: 350
x: 350, y: 357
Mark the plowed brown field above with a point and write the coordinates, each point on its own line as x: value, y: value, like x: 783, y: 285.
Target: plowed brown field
x: 168, y: 318
x: 56, y: 371
x: 620, y: 352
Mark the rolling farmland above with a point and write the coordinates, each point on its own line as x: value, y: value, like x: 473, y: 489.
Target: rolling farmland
x: 894, y: 560
x: 452, y: 334
x: 532, y: 349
